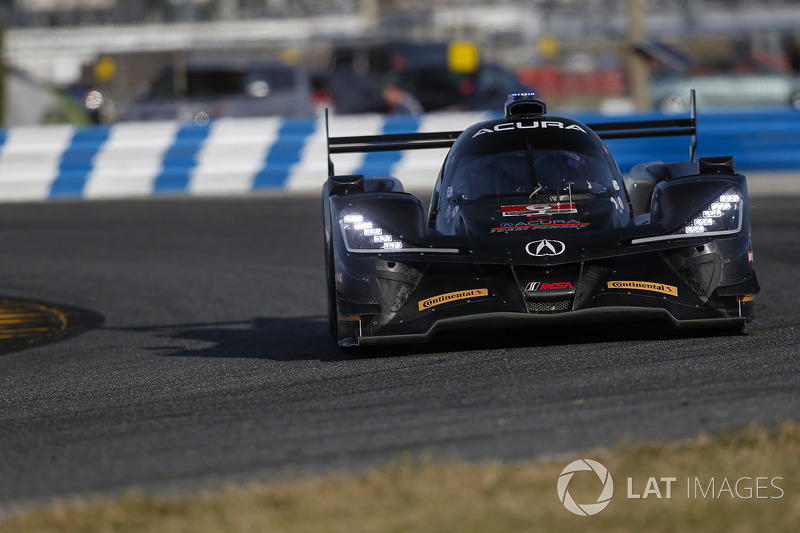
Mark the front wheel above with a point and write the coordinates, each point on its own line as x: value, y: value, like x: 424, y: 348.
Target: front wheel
x: 330, y: 274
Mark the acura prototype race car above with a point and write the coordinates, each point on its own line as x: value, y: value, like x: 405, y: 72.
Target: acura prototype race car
x: 531, y: 224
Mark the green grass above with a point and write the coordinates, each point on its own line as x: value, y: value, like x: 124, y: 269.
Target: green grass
x: 433, y: 496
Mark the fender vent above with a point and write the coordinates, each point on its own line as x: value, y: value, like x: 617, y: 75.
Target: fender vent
x: 717, y: 165
x: 393, y: 283
x: 394, y: 293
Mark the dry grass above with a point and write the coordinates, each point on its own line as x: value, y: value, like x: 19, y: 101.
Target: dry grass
x: 429, y: 496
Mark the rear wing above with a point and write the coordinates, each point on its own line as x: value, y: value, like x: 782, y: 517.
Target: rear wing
x: 386, y: 143
x: 654, y: 128
x: 445, y: 139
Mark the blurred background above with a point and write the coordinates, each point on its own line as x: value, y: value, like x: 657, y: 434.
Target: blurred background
x: 104, y: 61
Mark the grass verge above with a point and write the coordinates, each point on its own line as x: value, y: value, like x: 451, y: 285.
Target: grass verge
x: 747, y: 480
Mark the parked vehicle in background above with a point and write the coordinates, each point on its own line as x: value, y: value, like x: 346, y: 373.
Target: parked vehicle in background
x: 441, y: 76
x: 207, y: 90
x: 440, y: 89
x: 346, y: 92
x: 669, y: 93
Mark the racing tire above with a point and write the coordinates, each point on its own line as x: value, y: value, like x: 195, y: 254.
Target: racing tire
x: 330, y: 274
x: 333, y: 306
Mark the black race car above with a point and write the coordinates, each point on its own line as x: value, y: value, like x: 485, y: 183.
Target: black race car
x: 531, y: 224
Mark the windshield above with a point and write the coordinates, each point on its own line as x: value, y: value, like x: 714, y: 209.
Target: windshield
x: 519, y: 165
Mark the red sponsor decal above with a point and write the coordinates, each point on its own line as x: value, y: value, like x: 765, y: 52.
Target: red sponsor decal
x: 538, y: 224
x: 538, y: 209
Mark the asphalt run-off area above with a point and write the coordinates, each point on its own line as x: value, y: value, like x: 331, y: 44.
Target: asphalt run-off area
x: 201, y: 354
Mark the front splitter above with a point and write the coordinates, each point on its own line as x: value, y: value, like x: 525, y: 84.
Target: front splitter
x: 604, y: 315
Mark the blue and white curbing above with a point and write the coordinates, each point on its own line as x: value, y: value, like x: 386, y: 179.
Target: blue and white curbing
x: 238, y: 156
x: 229, y: 156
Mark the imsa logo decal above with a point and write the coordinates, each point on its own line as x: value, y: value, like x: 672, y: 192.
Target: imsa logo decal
x: 534, y: 286
x: 451, y: 297
x: 644, y: 286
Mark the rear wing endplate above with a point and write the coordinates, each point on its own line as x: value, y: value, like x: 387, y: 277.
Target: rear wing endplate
x: 445, y: 139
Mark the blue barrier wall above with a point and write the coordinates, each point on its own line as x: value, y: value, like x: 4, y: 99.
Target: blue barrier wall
x: 758, y: 139
x: 240, y: 155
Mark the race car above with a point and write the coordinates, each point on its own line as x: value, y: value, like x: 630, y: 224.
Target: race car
x: 531, y: 224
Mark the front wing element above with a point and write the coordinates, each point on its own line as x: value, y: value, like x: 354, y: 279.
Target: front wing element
x: 385, y: 300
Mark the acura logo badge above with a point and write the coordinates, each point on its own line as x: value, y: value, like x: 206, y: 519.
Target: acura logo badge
x: 545, y: 247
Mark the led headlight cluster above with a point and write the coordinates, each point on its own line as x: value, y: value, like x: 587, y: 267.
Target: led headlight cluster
x: 724, y: 214
x: 362, y: 234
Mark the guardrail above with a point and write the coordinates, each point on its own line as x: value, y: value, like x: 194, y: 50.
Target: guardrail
x: 235, y: 156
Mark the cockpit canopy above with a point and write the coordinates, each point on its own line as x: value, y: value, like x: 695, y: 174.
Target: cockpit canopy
x: 529, y: 158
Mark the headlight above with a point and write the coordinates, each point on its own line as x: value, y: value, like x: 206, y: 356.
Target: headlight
x: 365, y: 235
x: 722, y: 215
x: 362, y: 235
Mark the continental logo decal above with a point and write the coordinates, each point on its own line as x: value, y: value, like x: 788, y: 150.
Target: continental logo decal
x: 451, y: 297
x: 644, y: 286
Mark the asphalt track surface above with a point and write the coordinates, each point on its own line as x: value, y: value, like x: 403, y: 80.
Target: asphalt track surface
x: 212, y: 360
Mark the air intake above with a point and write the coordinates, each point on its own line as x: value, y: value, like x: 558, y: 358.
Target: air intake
x: 524, y: 105
x: 549, y: 307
